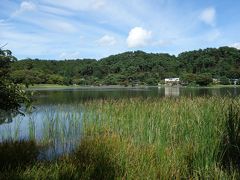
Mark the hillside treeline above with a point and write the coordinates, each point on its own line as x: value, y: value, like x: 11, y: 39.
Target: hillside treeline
x: 193, y: 67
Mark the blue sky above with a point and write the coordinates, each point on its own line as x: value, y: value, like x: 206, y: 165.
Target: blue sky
x: 66, y: 29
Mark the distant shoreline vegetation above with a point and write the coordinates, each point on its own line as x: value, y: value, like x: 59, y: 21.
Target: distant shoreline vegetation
x: 59, y: 87
x: 211, y: 66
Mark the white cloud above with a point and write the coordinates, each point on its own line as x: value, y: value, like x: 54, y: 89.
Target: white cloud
x: 138, y: 37
x: 35, y: 46
x: 49, y: 22
x: 98, y: 4
x: 208, y: 16
x: 52, y: 26
x: 236, y: 45
x: 78, y: 4
x: 25, y: 6
x: 106, y: 40
x: 54, y: 10
x: 59, y: 26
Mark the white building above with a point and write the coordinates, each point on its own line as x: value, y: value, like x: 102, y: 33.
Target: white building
x: 172, y: 80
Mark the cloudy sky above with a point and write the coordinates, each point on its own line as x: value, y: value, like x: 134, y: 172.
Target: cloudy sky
x: 63, y: 29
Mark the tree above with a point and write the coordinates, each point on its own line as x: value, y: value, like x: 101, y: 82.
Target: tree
x: 11, y: 95
x: 204, y: 79
x: 55, y: 79
x: 224, y: 80
x: 151, y: 81
x: 188, y: 78
x: 134, y: 66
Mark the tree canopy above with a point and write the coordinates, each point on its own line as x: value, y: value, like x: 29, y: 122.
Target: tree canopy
x: 11, y: 94
x: 135, y: 67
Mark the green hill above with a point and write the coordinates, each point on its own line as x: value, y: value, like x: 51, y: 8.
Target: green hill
x: 132, y: 67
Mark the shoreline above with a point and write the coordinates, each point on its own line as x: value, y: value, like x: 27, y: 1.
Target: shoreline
x: 39, y: 87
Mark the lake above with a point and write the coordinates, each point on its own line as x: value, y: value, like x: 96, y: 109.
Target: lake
x: 76, y: 95
x: 56, y: 118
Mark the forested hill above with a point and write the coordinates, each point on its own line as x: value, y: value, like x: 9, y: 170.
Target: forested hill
x: 131, y: 68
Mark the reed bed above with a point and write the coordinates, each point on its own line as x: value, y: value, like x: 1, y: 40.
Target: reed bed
x: 162, y: 138
x: 175, y: 137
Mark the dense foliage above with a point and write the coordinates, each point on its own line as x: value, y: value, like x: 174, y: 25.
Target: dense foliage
x: 11, y: 94
x: 129, y: 68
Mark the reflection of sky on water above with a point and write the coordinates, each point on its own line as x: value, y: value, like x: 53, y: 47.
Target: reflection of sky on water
x: 58, y: 113
x: 57, y: 125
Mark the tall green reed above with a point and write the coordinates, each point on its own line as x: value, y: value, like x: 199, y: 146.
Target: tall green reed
x: 230, y: 144
x: 165, y: 138
x: 184, y: 132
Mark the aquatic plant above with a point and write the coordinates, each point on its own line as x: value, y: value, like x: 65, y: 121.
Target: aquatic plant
x: 230, y: 145
x: 161, y: 138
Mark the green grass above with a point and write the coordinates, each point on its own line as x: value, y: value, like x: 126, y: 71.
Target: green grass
x: 162, y: 138
x: 183, y: 133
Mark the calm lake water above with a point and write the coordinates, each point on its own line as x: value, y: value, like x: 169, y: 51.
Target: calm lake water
x: 57, y: 114
x: 76, y: 95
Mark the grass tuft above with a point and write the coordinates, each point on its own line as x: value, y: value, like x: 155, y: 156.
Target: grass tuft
x: 17, y: 154
x: 97, y: 157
